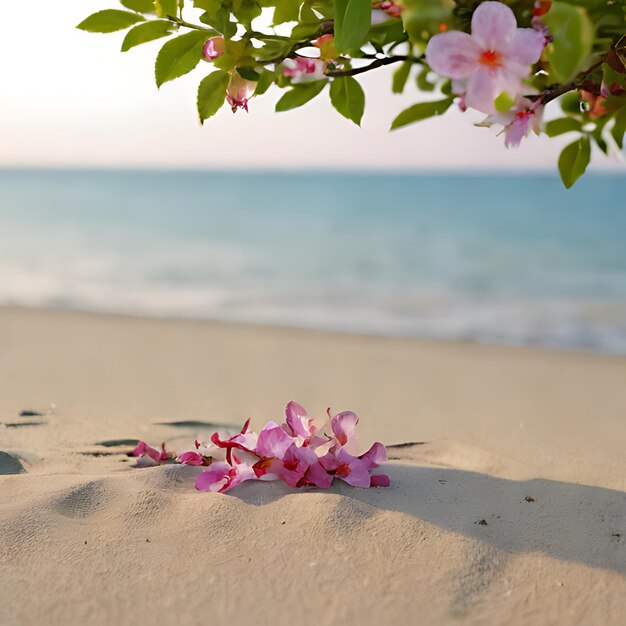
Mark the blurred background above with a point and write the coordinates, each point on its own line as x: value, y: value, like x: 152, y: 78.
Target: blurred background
x: 114, y: 199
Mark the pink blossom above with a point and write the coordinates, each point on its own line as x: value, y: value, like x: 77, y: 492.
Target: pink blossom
x: 301, y: 466
x: 298, y: 424
x: 273, y: 441
x: 221, y: 477
x: 494, y: 59
x: 239, y: 92
x: 293, y: 452
x: 391, y: 8
x: 213, y: 48
x: 348, y: 468
x: 302, y: 70
x: 344, y: 426
x: 158, y: 456
x: 518, y: 121
x: 245, y: 440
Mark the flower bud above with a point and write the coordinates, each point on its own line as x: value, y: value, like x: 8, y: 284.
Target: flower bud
x: 213, y: 48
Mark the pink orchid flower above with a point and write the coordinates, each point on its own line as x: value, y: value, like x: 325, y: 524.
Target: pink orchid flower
x: 298, y: 424
x: 350, y: 469
x: 494, y: 59
x: 221, y: 477
x: 245, y: 440
x: 238, y: 93
x: 301, y: 466
x: 344, y: 426
x: 158, y: 456
x: 213, y: 48
x: 302, y: 70
x: 525, y: 116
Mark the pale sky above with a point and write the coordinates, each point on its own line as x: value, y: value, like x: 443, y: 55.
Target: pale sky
x: 70, y: 98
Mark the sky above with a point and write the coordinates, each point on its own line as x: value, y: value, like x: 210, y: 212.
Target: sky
x: 72, y: 99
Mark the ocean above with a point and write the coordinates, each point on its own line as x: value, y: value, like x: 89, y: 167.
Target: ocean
x: 513, y: 260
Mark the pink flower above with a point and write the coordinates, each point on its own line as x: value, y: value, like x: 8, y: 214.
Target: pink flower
x: 326, y: 45
x: 245, y: 440
x: 192, y: 458
x: 273, y: 441
x: 238, y: 92
x: 494, y: 59
x: 221, y: 477
x: 349, y: 468
x: 298, y: 424
x: 391, y: 9
x: 302, y: 70
x: 523, y: 117
x: 213, y: 48
x: 344, y: 426
x: 158, y: 456
x: 301, y: 466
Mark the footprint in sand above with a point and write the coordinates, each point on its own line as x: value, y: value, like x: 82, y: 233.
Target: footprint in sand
x: 10, y: 464
x: 84, y: 500
x: 22, y: 424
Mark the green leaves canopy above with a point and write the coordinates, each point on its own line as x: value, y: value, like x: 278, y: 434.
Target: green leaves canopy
x: 582, y: 69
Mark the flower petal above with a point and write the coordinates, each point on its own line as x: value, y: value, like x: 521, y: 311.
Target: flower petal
x: 344, y: 426
x: 453, y: 54
x: 359, y: 476
x: 213, y: 478
x: 493, y: 26
x: 191, y: 458
x: 485, y: 85
x: 526, y: 46
x: 380, y: 480
x: 273, y: 441
x: 376, y: 455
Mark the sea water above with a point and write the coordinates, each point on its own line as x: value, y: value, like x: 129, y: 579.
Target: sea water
x: 486, y: 258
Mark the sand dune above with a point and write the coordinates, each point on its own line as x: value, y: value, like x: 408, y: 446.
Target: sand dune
x: 507, y: 502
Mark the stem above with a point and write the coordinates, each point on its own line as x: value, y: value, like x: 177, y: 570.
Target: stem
x: 374, y: 65
x: 551, y: 94
x: 182, y: 22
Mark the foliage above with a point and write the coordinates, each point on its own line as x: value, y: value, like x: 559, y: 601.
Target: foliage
x: 300, y: 46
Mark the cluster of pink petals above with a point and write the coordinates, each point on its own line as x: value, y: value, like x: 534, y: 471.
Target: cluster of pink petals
x: 522, y: 118
x: 391, y: 8
x: 296, y: 452
x: 238, y: 92
x: 214, y: 48
x: 302, y: 69
x: 494, y: 59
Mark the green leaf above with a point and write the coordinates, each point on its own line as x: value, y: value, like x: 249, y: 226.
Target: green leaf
x: 286, y: 11
x: 165, y: 8
x: 148, y: 31
x: 573, y: 34
x: 421, y: 111
x: 248, y: 73
x: 503, y: 102
x: 109, y: 20
x: 619, y: 127
x: 141, y: 6
x: 300, y: 95
x: 574, y: 160
x: 353, y: 19
x: 347, y: 96
x: 179, y: 56
x: 561, y: 126
x: 266, y: 80
x: 211, y: 94
x: 400, y: 76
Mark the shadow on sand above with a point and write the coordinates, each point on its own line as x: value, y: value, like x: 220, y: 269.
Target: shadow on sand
x: 563, y: 520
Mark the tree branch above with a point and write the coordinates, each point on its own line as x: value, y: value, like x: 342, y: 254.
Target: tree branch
x: 374, y: 65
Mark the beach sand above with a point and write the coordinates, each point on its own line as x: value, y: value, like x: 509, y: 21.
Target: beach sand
x: 507, y: 506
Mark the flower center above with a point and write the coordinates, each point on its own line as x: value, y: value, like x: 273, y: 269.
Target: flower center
x: 490, y: 58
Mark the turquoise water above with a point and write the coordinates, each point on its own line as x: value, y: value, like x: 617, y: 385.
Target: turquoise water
x: 513, y: 260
